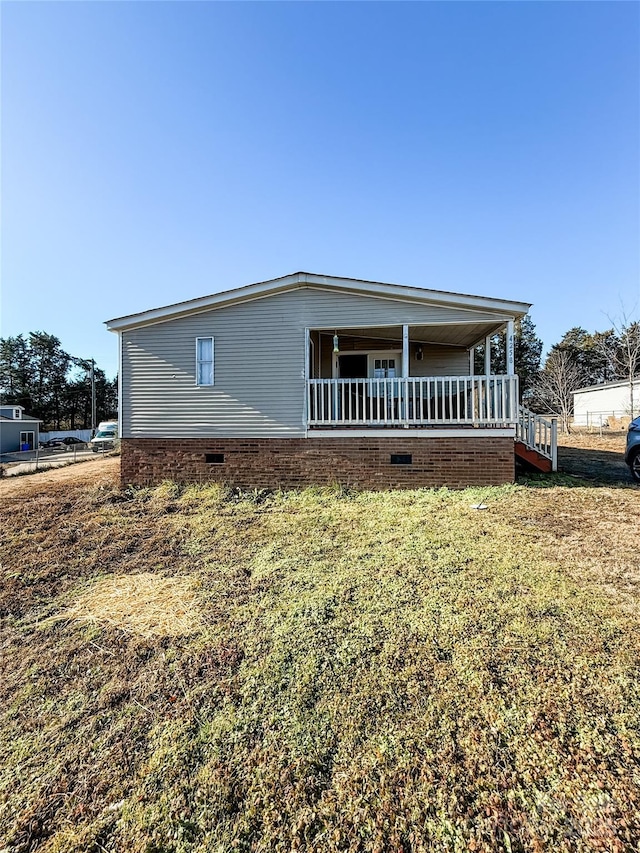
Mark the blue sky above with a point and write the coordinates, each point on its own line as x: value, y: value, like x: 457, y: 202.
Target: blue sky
x: 155, y: 152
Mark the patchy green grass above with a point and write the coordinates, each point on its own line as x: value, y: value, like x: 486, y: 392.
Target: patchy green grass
x: 198, y: 670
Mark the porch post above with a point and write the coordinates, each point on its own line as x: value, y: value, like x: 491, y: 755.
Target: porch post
x: 307, y: 375
x: 307, y: 337
x: 405, y: 373
x: 510, y: 349
x: 487, y: 355
x: 472, y: 361
x: 405, y: 352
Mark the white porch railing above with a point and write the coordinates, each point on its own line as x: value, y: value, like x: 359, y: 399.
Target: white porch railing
x: 413, y: 401
x: 539, y: 433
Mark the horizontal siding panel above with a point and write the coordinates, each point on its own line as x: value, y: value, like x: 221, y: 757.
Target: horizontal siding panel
x: 328, y: 309
x: 441, y: 361
x: 259, y: 359
x: 258, y: 372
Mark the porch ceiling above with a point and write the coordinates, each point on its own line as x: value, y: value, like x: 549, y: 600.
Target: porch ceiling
x: 455, y: 334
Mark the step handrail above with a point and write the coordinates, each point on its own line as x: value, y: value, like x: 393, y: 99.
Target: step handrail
x: 538, y: 433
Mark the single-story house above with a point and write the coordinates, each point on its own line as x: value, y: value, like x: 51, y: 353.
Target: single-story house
x: 17, y: 430
x: 311, y: 379
x: 595, y: 405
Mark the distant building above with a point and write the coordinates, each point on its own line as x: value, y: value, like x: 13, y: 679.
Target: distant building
x: 17, y: 430
x: 597, y: 404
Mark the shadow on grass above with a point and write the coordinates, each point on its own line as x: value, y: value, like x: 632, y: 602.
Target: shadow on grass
x: 580, y: 467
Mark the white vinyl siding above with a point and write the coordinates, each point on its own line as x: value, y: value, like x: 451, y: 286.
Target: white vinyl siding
x: 204, y: 361
x: 440, y: 361
x: 329, y: 310
x: 259, y: 386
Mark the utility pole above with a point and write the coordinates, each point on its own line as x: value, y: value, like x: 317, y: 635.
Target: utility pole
x: 93, y: 398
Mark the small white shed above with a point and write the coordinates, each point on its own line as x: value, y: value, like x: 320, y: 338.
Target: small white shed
x: 596, y: 405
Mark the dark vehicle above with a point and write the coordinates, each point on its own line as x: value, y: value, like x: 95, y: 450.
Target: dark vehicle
x: 53, y: 442
x: 62, y: 443
x: 632, y: 453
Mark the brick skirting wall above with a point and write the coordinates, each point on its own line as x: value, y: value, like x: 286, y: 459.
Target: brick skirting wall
x: 297, y: 462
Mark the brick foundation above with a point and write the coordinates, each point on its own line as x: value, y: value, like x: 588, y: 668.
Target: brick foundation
x: 297, y: 462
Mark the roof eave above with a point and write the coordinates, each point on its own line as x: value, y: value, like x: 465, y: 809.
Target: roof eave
x: 301, y: 280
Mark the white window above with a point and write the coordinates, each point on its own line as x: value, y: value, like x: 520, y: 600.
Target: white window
x: 17, y: 414
x: 204, y: 361
x: 384, y: 368
x: 385, y: 365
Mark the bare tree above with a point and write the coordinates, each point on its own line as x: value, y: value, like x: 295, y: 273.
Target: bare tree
x: 622, y: 351
x: 561, y: 376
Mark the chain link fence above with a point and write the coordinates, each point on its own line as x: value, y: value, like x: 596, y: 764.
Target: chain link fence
x: 41, y: 458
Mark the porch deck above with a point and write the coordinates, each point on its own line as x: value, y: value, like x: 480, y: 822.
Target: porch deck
x: 431, y: 402
x: 434, y: 401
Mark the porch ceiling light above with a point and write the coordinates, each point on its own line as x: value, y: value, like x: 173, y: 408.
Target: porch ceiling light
x: 336, y: 343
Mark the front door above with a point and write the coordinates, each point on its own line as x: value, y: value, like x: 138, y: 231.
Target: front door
x: 385, y: 365
x: 27, y: 440
x: 384, y: 368
x: 352, y: 366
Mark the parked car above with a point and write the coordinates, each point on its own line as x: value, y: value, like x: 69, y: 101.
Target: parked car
x: 62, y: 442
x: 632, y: 453
x: 53, y: 442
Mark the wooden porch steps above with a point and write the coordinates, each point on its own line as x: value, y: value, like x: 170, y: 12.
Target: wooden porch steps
x: 532, y: 457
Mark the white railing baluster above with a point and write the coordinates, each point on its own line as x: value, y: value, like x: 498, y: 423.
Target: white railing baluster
x: 425, y: 400
x: 539, y: 434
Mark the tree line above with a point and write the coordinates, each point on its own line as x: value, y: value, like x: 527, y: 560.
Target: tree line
x: 580, y: 359
x: 52, y: 385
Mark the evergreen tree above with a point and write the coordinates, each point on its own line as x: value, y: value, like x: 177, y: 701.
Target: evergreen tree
x: 36, y: 373
x: 585, y: 351
x: 15, y: 371
x: 527, y: 354
x: 50, y: 365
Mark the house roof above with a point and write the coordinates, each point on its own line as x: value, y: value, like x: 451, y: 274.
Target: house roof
x: 22, y: 420
x: 300, y: 280
x: 606, y: 385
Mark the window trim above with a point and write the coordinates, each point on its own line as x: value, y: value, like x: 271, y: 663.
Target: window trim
x: 384, y: 354
x: 200, y: 361
x: 27, y: 433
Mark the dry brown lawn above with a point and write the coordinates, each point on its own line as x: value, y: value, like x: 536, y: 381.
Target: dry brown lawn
x: 192, y: 669
x: 99, y: 471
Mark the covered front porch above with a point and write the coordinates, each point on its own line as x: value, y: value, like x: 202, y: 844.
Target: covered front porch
x: 409, y: 376
x: 421, y: 378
